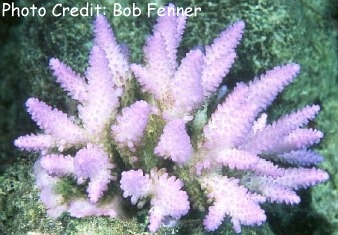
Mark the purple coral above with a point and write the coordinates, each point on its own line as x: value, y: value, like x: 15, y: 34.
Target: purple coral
x: 97, y: 93
x: 70, y: 81
x: 234, y: 157
x: 91, y: 162
x: 136, y: 116
x: 233, y: 200
x: 53, y: 201
x: 167, y: 198
x: 174, y: 132
x: 59, y: 130
x: 233, y: 148
x: 229, y: 135
x: 81, y: 208
x: 182, y: 89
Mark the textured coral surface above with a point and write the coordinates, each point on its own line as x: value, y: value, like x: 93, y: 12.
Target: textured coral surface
x: 130, y: 149
x: 235, y: 158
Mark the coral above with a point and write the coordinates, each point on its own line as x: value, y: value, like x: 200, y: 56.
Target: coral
x: 167, y: 199
x: 180, y: 90
x: 238, y: 159
x: 97, y: 95
x: 136, y: 116
x: 174, y: 132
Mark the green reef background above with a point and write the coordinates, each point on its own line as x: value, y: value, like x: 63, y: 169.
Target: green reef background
x: 277, y: 32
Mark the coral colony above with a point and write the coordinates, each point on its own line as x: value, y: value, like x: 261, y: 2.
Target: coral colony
x: 164, y: 149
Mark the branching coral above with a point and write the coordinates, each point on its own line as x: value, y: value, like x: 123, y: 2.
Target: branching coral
x: 234, y: 158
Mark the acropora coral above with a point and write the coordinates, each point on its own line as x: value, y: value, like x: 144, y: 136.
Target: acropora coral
x: 162, y: 146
